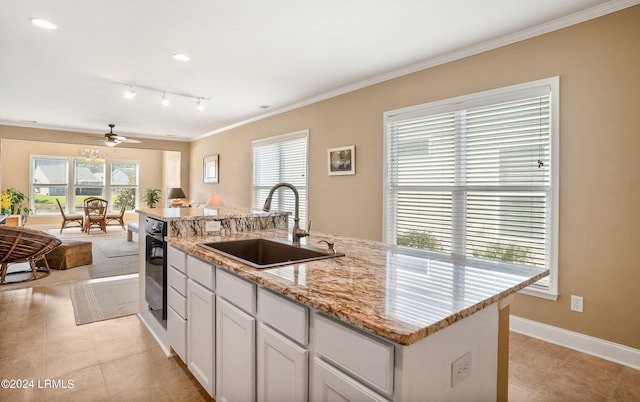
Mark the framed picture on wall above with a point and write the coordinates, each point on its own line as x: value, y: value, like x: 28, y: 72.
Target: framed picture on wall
x: 211, y: 169
x: 341, y: 160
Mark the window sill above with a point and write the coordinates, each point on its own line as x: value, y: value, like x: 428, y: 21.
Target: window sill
x: 543, y: 294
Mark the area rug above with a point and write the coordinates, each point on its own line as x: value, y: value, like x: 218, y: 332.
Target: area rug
x: 117, y: 248
x: 104, y: 300
x: 76, y: 232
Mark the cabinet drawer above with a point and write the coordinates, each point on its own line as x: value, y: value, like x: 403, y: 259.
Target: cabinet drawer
x: 287, y: 316
x: 238, y: 291
x: 177, y: 333
x: 329, y: 384
x: 201, y: 272
x: 177, y: 301
x: 177, y: 280
x: 367, y: 358
x: 177, y: 259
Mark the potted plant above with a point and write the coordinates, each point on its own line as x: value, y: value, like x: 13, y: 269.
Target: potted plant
x: 151, y: 197
x: 13, y: 203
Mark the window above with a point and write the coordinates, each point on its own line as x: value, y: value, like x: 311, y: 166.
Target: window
x: 281, y: 159
x: 476, y: 177
x: 58, y: 177
x: 50, y: 181
x: 124, y: 185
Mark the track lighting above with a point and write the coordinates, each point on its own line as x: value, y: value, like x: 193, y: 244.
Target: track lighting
x: 165, y: 101
x: 130, y: 93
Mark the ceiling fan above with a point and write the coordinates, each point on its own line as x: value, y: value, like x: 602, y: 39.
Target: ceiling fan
x: 112, y: 139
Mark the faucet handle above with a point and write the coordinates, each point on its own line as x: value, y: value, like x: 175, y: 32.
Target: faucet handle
x: 331, y: 250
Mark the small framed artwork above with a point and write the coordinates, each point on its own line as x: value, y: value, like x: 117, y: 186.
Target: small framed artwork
x: 211, y: 169
x: 342, y: 160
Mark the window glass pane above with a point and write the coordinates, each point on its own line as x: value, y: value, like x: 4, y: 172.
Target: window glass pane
x: 424, y: 220
x: 50, y: 171
x: 89, y: 173
x: 124, y: 174
x: 120, y: 196
x: 507, y: 226
x: 45, y: 199
x: 83, y: 193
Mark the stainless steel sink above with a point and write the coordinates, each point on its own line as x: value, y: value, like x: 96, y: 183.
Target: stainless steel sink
x: 263, y: 253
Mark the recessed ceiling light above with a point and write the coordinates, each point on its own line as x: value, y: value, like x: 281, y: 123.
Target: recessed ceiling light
x: 43, y: 23
x: 181, y: 57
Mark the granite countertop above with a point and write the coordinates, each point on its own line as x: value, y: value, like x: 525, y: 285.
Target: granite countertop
x: 169, y: 214
x: 400, y: 297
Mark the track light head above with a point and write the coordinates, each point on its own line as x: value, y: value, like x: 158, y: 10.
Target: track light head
x: 129, y: 93
x: 199, y: 105
x: 165, y: 101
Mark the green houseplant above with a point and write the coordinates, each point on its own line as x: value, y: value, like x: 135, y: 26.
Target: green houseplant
x: 16, y: 200
x: 151, y: 197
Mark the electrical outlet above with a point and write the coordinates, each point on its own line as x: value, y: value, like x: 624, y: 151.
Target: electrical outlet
x: 576, y: 303
x: 212, y: 226
x: 460, y: 369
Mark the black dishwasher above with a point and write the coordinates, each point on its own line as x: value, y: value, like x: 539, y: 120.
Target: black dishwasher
x: 155, y: 289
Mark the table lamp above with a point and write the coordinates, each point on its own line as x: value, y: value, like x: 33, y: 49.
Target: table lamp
x: 176, y: 194
x: 215, y: 201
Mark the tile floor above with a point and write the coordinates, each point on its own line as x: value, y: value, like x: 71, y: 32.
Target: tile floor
x: 118, y: 360
x: 540, y: 371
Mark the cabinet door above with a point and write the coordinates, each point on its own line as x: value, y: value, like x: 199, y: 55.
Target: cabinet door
x: 283, y: 368
x: 330, y: 384
x: 235, y: 354
x: 201, y: 334
x: 177, y: 332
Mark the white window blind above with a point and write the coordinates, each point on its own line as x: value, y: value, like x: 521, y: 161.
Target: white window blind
x: 281, y: 159
x: 476, y: 177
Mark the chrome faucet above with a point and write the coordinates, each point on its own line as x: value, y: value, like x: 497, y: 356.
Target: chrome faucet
x: 297, y: 233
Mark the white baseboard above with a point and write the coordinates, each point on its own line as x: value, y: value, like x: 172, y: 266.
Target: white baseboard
x: 573, y: 340
x: 156, y: 330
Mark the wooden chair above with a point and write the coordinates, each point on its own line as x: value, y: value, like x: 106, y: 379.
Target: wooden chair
x: 95, y: 213
x: 118, y: 216
x: 68, y: 219
x: 19, y: 244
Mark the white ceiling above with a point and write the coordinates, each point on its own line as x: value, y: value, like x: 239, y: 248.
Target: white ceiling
x: 244, y: 54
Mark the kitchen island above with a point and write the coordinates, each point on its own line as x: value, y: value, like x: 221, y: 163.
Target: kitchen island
x: 377, y: 324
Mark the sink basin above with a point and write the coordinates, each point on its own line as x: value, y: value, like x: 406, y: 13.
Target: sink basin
x: 263, y: 253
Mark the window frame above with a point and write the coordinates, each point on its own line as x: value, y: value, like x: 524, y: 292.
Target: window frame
x: 486, y: 98
x: 71, y: 186
x: 281, y: 194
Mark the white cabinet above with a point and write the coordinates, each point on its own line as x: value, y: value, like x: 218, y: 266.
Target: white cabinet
x: 177, y: 301
x: 283, y: 368
x: 235, y: 353
x: 364, y: 357
x: 201, y: 334
x: 329, y: 384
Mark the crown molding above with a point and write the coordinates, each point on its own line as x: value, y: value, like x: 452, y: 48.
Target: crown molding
x: 550, y: 26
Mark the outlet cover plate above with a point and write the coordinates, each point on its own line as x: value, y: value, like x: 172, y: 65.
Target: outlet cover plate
x: 212, y: 226
x: 460, y: 369
x: 576, y: 303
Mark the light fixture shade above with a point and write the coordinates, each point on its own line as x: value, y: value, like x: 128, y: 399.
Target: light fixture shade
x: 175, y: 193
x: 215, y: 201
x: 130, y: 93
x: 199, y: 106
x: 165, y: 101
x: 110, y: 143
